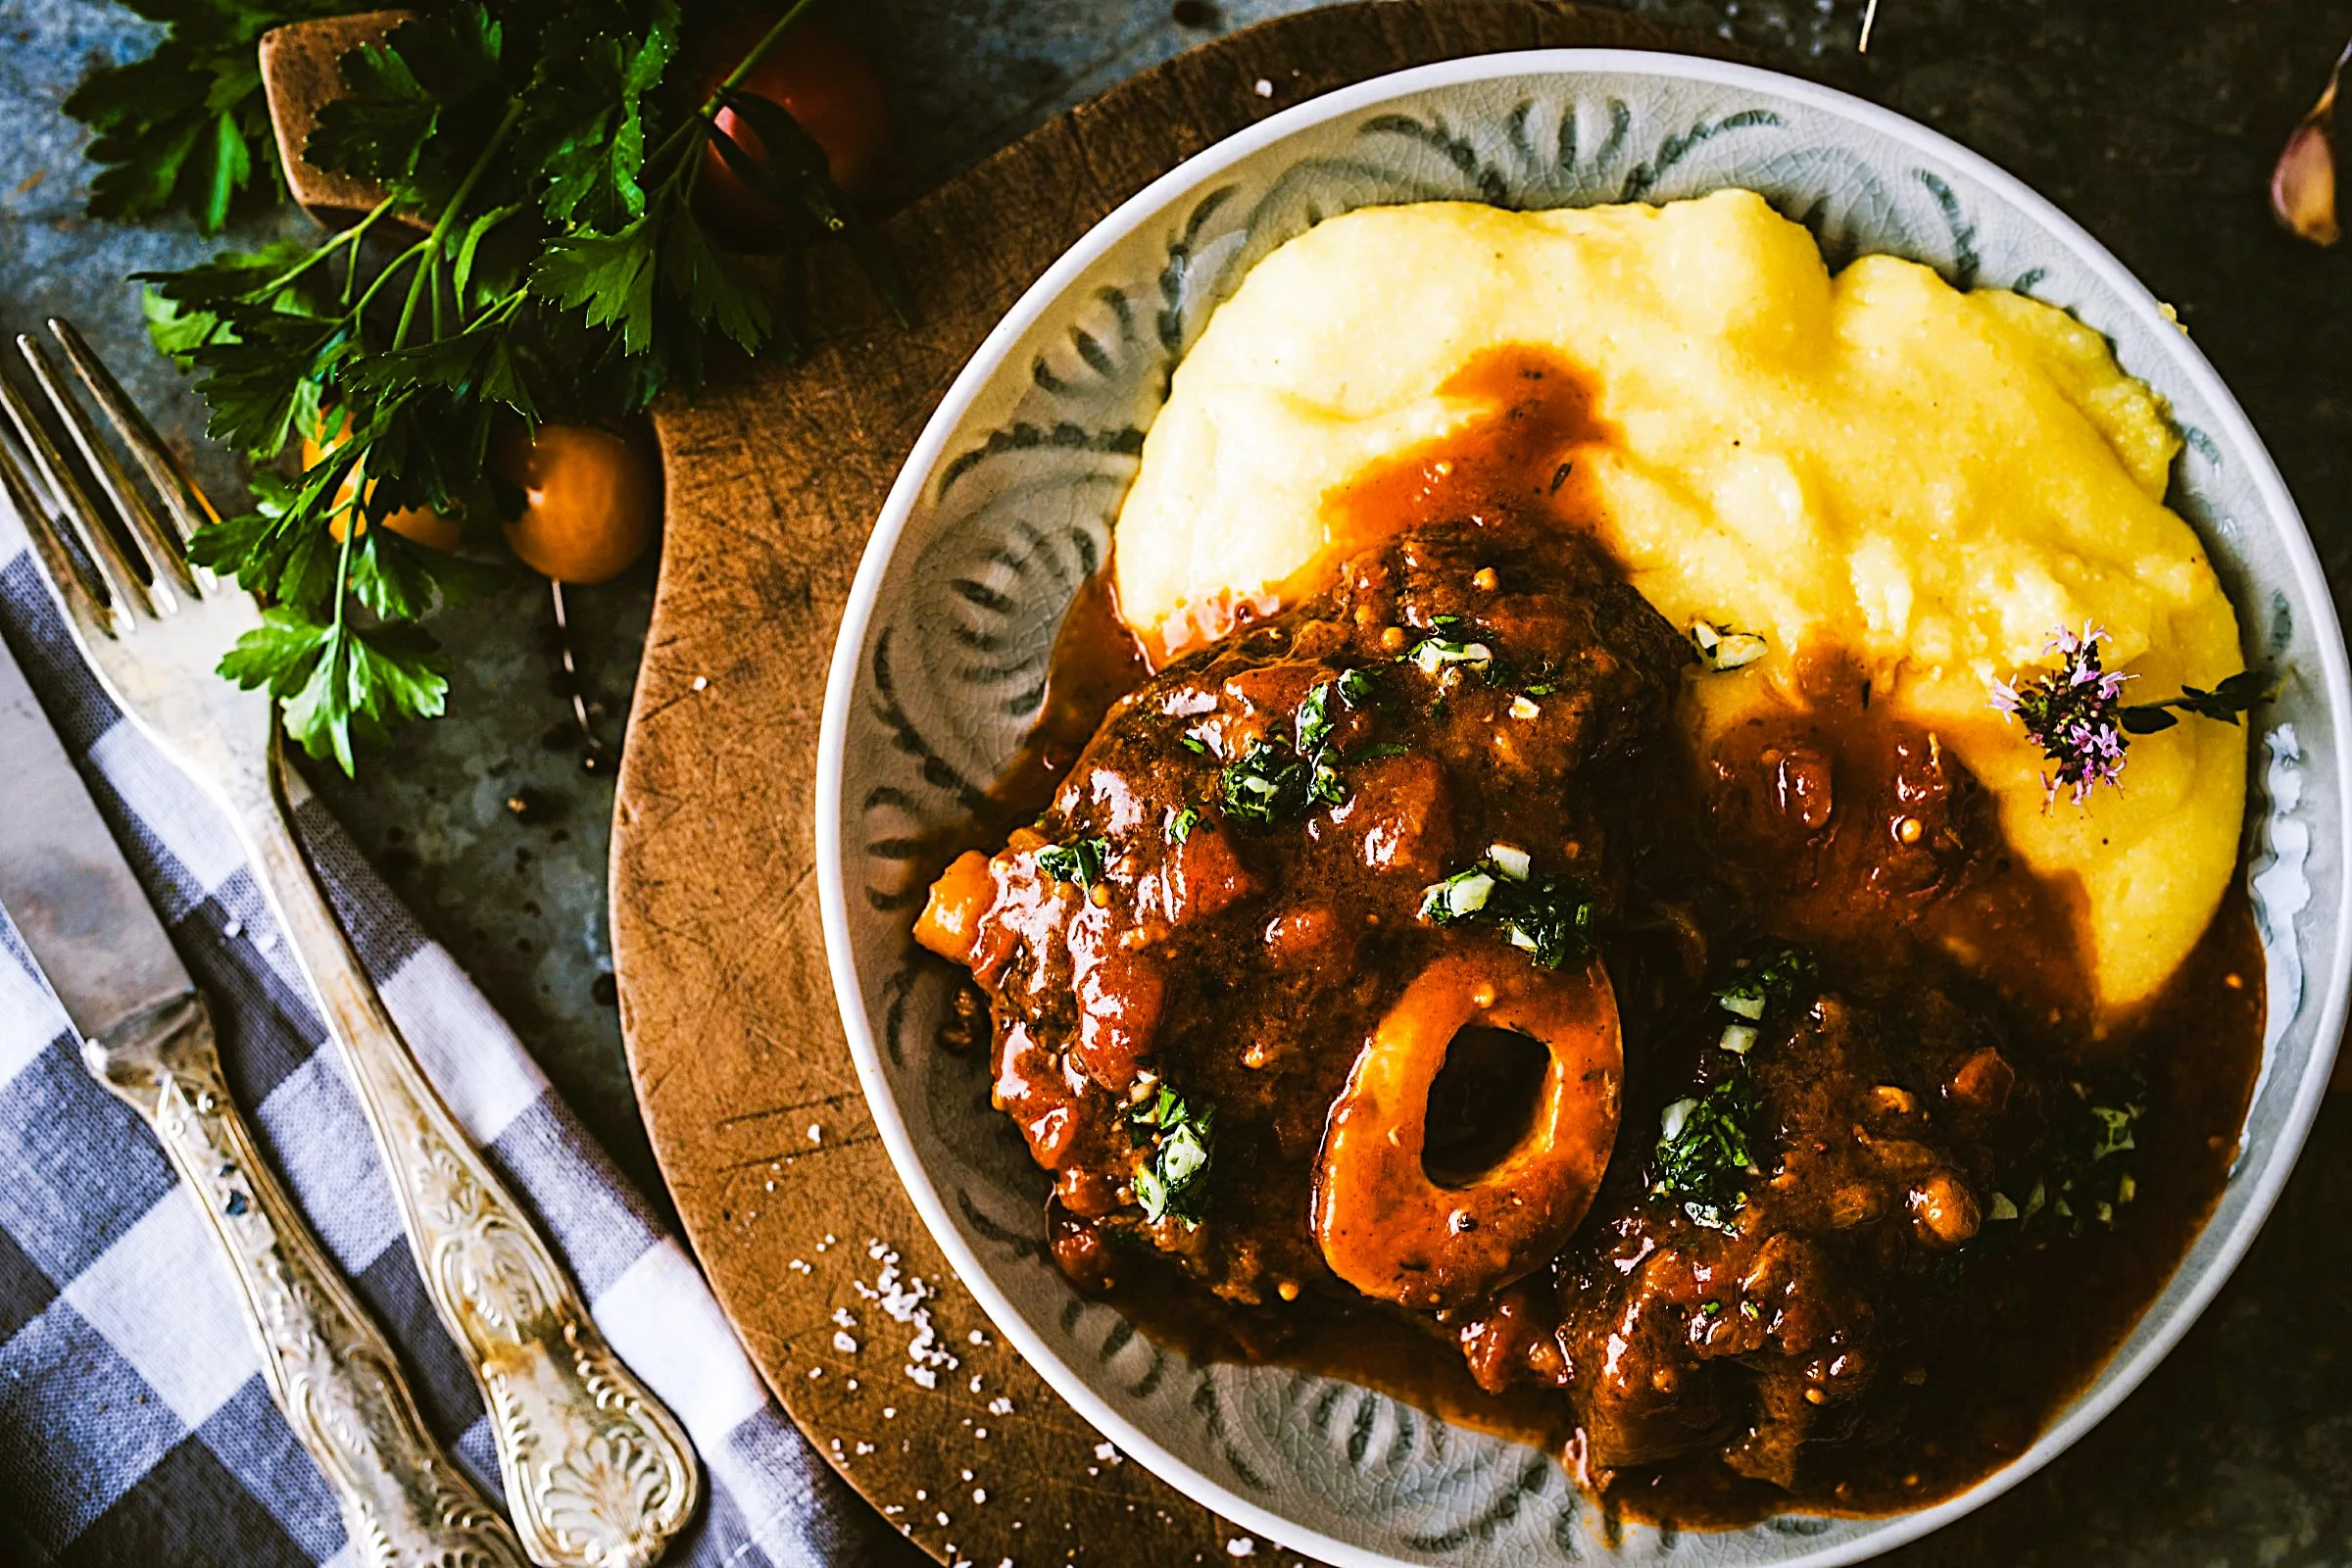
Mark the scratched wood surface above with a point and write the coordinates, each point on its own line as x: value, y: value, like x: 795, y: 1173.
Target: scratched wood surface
x: 737, y: 1053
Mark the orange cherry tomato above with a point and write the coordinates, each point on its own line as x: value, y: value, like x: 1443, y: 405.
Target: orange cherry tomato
x: 815, y: 73
x: 421, y: 525
x: 590, y: 499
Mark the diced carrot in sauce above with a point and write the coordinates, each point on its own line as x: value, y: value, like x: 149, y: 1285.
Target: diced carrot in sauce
x: 949, y: 924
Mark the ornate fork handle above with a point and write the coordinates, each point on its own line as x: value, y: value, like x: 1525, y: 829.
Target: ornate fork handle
x: 598, y: 1473
x: 404, y: 1503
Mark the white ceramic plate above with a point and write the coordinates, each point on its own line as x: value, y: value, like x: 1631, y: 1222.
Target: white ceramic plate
x: 1005, y: 505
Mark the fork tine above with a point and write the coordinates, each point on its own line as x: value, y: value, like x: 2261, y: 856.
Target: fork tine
x: 163, y: 547
x: 82, y: 587
x: 191, y: 508
x: 90, y: 527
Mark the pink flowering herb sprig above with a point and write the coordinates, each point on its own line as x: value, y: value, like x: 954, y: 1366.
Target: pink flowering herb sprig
x: 2076, y: 714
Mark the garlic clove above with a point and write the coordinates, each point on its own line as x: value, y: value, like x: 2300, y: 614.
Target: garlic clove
x: 2303, y: 184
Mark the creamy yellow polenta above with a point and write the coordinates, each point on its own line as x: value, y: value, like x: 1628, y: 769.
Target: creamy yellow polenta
x: 1928, y: 480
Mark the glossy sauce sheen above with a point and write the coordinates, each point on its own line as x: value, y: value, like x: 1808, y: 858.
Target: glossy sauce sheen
x: 1871, y: 1341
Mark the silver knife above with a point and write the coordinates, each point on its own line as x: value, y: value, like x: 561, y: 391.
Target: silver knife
x: 147, y: 1037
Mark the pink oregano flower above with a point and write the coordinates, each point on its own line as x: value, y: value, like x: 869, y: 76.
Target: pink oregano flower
x: 2075, y: 715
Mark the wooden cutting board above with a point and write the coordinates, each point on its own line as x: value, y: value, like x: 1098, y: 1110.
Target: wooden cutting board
x: 725, y: 1002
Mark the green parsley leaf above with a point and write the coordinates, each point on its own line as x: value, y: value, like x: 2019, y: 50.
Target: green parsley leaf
x: 547, y: 157
x: 1449, y: 644
x: 341, y: 686
x: 1314, y: 721
x: 1703, y: 1157
x: 380, y: 130
x: 608, y: 277
x: 1182, y: 1137
x: 1180, y: 826
x: 1549, y: 921
x: 187, y: 128
x: 1268, y: 785
x: 1082, y: 860
x: 1772, y: 980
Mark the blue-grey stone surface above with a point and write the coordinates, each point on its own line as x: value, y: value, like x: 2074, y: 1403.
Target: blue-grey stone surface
x: 2153, y: 121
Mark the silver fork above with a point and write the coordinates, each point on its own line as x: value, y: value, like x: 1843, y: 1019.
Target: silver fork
x: 598, y: 1474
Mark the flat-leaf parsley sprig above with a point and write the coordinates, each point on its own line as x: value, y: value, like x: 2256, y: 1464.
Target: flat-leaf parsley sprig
x: 536, y: 257
x: 186, y: 127
x: 2077, y: 714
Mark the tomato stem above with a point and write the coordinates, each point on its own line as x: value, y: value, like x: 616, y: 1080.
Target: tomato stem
x: 696, y: 127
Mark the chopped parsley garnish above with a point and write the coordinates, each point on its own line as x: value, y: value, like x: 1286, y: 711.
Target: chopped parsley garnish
x: 1549, y: 921
x: 1267, y: 785
x: 1703, y: 1159
x: 1448, y: 644
x: 1271, y: 783
x: 2113, y: 1131
x: 1314, y: 721
x: 2089, y: 1176
x: 1183, y: 1139
x: 1081, y: 860
x: 1771, y: 981
x: 2096, y: 1178
x: 1180, y: 826
x: 1194, y: 745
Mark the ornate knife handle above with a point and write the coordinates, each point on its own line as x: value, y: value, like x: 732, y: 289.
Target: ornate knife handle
x: 598, y: 1473
x: 404, y: 1503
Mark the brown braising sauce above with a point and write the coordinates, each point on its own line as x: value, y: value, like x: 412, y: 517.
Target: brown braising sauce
x: 1940, y: 1243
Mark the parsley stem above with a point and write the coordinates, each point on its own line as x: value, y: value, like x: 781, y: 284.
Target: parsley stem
x: 391, y: 270
x: 696, y: 125
x: 428, y: 269
x: 348, y: 237
x: 353, y: 521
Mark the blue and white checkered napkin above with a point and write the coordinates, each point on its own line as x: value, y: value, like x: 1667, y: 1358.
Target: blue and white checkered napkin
x: 134, y: 1427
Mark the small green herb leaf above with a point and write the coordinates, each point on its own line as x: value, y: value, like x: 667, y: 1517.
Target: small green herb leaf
x: 1313, y: 720
x: 2089, y: 1175
x: 608, y: 277
x: 2226, y: 702
x: 1268, y: 785
x: 1182, y: 1135
x: 1770, y: 981
x: 1703, y: 1157
x: 1448, y: 644
x: 1082, y: 860
x: 1548, y: 920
